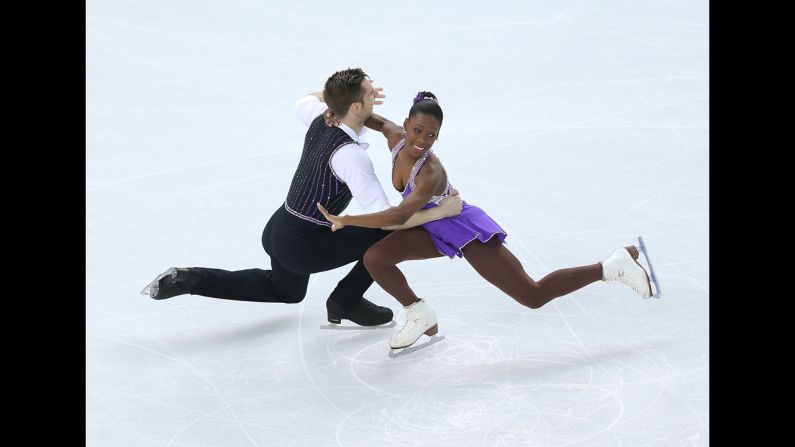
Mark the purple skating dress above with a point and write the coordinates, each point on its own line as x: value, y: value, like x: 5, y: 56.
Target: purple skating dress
x: 451, y: 234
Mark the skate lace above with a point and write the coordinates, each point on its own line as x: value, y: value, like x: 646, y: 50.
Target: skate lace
x: 628, y: 281
x: 411, y: 323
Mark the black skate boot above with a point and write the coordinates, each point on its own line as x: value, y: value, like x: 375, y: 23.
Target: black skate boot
x: 364, y: 313
x: 173, y: 282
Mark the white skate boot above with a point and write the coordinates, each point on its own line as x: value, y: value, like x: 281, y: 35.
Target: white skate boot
x: 420, y: 319
x: 623, y: 266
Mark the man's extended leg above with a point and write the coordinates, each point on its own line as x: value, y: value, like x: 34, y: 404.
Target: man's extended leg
x: 277, y: 285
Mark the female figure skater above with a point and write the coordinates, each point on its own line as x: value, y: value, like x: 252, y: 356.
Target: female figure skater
x: 421, y: 179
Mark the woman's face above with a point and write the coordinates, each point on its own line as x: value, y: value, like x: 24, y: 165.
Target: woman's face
x: 422, y: 130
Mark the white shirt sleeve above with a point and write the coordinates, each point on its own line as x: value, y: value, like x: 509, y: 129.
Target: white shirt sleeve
x: 308, y: 108
x: 352, y: 165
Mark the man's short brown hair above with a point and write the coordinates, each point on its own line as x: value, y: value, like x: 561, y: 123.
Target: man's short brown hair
x: 344, y: 88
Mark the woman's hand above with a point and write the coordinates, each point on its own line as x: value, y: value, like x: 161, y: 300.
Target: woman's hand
x: 378, y: 97
x: 330, y: 119
x: 336, y: 221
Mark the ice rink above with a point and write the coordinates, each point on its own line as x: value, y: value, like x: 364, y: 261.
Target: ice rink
x: 577, y: 125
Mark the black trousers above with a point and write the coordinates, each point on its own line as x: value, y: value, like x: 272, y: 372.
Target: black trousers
x: 297, y: 248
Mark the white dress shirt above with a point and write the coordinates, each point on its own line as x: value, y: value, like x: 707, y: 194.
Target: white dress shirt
x: 350, y: 163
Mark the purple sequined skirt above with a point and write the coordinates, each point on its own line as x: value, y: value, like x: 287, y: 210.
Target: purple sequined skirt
x: 452, y: 234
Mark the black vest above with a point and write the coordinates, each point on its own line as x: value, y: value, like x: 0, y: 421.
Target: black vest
x: 314, y: 181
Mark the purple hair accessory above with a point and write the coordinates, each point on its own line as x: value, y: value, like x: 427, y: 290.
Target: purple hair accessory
x: 424, y: 95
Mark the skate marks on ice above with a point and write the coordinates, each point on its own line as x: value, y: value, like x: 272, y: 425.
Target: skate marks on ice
x: 495, y: 414
x: 509, y: 394
x: 488, y: 396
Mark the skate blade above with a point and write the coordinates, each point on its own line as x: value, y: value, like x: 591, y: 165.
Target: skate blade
x: 642, y: 248
x: 398, y: 352
x: 153, y: 285
x: 334, y: 326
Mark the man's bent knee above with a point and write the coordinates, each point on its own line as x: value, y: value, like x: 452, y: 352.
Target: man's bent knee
x: 294, y: 296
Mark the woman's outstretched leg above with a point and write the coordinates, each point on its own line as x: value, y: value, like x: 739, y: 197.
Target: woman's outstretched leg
x: 497, y: 265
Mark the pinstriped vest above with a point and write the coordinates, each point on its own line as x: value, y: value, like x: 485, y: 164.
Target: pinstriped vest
x: 314, y: 180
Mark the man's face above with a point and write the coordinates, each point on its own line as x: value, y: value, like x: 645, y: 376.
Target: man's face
x: 368, y: 99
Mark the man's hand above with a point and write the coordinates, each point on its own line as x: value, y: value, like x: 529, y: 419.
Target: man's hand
x: 336, y: 221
